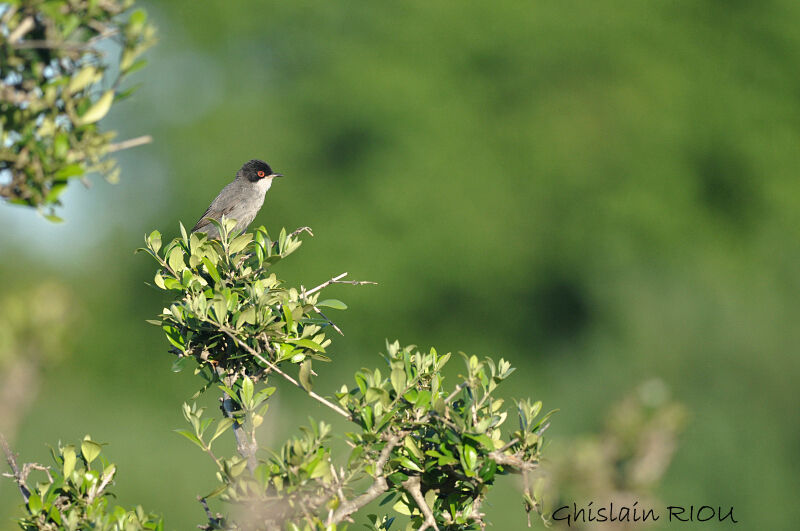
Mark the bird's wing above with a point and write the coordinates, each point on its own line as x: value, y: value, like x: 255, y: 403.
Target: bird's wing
x: 215, y: 211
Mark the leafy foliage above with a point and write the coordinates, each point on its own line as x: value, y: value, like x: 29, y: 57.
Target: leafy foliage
x: 432, y: 451
x: 75, y: 496
x: 57, y: 82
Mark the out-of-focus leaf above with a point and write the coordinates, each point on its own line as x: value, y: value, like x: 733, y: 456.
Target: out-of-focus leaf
x: 305, y: 375
x: 97, y: 111
x: 79, y: 81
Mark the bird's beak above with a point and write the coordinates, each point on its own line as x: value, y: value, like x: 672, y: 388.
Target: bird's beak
x: 276, y: 175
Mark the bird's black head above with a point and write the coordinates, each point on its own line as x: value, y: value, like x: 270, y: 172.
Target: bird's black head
x: 255, y: 170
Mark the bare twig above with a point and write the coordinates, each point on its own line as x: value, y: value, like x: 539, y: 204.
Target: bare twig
x: 329, y: 321
x: 455, y: 392
x: 98, y: 489
x: 24, y: 27
x: 378, y: 487
x: 512, y: 460
x: 338, y: 484
x: 527, y: 496
x: 337, y: 280
x: 476, y: 511
x: 508, y: 445
x: 213, y: 520
x: 27, y: 467
x: 126, y: 144
x: 204, y: 503
x: 412, y: 486
x: 301, y: 229
x: 103, y: 31
x: 54, y: 45
x: 326, y: 283
x: 286, y: 377
x: 12, y: 462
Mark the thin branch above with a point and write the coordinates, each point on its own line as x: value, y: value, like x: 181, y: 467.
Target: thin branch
x: 512, y: 460
x: 412, y: 486
x: 329, y: 321
x: 301, y: 229
x: 337, y: 280
x: 53, y: 45
x: 12, y: 462
x: 132, y: 142
x: 24, y: 27
x: 98, y: 489
x: 455, y: 392
x: 204, y: 503
x: 213, y: 520
x: 338, y: 484
x: 527, y: 492
x: 508, y: 445
x: 288, y: 378
x: 326, y: 283
x: 27, y: 467
x: 378, y: 487
x: 476, y: 511
x: 103, y: 31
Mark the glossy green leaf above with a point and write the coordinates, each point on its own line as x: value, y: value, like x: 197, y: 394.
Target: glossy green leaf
x: 175, y: 259
x: 90, y: 450
x: 222, y: 426
x: 332, y: 303
x: 240, y: 242
x: 35, y: 503
x: 191, y: 436
x: 398, y: 379
x: 68, y: 453
x: 212, y: 270
x: 247, y: 392
x: 307, y: 343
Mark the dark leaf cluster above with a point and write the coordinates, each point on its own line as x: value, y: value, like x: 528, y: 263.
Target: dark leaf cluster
x: 58, y: 78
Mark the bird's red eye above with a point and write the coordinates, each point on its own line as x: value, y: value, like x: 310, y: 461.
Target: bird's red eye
x: 261, y: 174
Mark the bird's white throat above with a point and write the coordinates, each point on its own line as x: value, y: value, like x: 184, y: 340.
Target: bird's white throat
x: 263, y: 185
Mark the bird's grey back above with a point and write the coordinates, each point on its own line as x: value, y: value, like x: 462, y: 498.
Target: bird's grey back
x: 239, y: 200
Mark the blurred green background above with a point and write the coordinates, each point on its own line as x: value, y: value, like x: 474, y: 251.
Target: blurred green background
x: 601, y: 192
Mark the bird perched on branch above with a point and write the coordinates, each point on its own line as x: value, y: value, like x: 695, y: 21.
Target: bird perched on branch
x: 241, y: 199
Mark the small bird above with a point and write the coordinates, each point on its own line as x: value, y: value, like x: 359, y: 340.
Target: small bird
x: 241, y: 199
